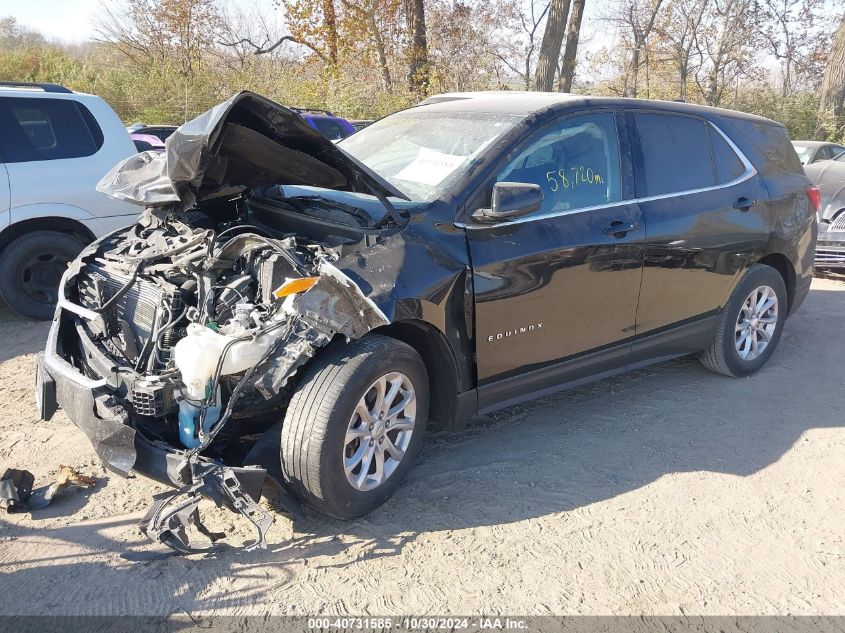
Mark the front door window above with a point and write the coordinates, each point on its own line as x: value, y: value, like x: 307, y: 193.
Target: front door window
x: 576, y: 164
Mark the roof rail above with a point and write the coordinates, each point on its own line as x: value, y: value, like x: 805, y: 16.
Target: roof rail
x: 30, y: 84
x: 311, y: 110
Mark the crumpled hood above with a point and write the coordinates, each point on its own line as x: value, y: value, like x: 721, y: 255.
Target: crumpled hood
x: 237, y: 144
x: 829, y: 177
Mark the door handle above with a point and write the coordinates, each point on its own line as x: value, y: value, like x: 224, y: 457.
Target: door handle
x: 744, y: 204
x: 620, y: 228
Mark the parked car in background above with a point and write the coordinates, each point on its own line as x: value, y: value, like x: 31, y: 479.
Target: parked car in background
x: 147, y: 142
x: 810, y: 152
x: 303, y: 308
x: 332, y: 127
x: 161, y: 132
x: 829, y: 177
x: 55, y: 144
x: 360, y: 124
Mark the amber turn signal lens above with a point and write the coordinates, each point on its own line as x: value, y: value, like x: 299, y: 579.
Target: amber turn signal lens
x: 294, y: 286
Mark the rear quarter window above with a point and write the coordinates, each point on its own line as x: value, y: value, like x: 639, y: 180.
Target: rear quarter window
x: 46, y: 129
x: 775, y: 153
x: 728, y: 165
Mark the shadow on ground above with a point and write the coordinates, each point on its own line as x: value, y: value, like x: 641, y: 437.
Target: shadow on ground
x: 549, y: 456
x: 20, y: 335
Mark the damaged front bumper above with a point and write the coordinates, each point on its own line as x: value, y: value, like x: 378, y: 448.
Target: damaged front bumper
x: 93, y: 392
x: 90, y: 403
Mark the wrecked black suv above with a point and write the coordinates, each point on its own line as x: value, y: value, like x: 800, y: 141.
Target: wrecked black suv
x: 292, y: 308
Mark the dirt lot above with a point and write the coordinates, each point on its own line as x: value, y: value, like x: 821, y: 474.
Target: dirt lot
x: 670, y: 490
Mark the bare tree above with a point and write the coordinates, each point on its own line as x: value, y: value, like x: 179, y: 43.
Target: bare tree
x: 550, y: 48
x: 14, y: 36
x: 726, y: 45
x: 679, y: 31
x: 418, y: 69
x: 367, y: 12
x: 635, y: 20
x: 570, y: 51
x: 160, y: 31
x: 787, y: 28
x: 311, y: 25
x: 833, y: 84
x: 330, y: 29
x: 467, y: 59
x: 518, y: 48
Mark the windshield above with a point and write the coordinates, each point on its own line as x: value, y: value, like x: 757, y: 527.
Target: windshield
x: 804, y: 153
x: 423, y: 153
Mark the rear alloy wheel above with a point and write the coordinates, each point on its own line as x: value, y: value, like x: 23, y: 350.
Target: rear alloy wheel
x: 756, y: 323
x: 31, y: 268
x: 749, y: 326
x: 354, y: 425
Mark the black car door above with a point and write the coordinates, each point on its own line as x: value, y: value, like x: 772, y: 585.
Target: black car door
x: 565, y: 279
x: 705, y: 213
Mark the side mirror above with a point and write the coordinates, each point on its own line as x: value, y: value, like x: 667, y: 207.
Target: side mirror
x: 510, y: 200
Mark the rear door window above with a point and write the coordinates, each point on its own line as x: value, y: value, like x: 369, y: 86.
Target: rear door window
x: 728, y: 165
x: 576, y: 164
x: 34, y: 129
x: 676, y: 153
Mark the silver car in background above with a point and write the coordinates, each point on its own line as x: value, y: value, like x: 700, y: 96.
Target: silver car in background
x: 810, y: 152
x: 829, y: 177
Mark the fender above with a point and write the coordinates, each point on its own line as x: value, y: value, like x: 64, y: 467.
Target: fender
x: 421, y: 274
x: 98, y: 225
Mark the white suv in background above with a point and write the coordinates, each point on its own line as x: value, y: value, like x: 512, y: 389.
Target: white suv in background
x: 55, y: 144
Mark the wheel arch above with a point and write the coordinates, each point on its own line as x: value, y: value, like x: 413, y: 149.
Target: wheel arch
x: 440, y: 363
x: 49, y: 223
x: 783, y: 265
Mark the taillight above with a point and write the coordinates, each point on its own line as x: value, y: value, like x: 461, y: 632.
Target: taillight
x: 815, y: 197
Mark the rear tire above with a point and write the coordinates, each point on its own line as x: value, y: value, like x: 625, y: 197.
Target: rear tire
x: 326, y: 411
x: 747, y: 331
x: 31, y: 267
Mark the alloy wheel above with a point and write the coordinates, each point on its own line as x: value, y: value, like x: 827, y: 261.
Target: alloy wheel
x: 756, y: 323
x: 379, y: 431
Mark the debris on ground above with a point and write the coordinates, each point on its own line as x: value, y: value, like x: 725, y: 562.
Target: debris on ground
x: 15, y: 489
x: 68, y: 476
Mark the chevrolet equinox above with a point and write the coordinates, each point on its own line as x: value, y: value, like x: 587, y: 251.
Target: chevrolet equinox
x: 290, y: 307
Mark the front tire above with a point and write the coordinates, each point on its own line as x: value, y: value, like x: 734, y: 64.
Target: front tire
x: 749, y: 326
x: 31, y: 268
x: 354, y: 425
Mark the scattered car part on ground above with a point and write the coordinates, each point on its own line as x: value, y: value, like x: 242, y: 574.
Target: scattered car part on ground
x: 15, y: 489
x: 17, y: 493
x: 67, y: 477
x: 829, y: 177
x: 292, y: 308
x: 810, y: 152
x: 55, y: 145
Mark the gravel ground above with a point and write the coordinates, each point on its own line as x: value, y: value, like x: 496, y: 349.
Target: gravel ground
x: 668, y: 491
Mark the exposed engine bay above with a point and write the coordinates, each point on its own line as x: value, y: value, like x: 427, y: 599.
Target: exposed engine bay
x: 201, y: 329
x: 191, y: 324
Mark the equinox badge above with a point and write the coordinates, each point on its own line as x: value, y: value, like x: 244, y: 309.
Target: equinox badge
x: 524, y: 329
